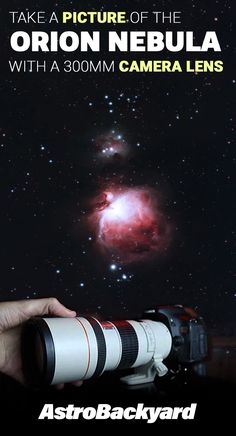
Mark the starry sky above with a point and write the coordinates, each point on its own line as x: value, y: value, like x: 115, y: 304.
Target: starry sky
x: 177, y: 133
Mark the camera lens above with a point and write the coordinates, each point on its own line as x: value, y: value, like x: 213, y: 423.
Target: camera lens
x: 60, y: 350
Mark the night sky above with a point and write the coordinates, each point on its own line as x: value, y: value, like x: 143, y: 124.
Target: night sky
x: 175, y: 137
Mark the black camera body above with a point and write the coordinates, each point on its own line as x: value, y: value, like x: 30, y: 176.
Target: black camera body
x: 188, y: 331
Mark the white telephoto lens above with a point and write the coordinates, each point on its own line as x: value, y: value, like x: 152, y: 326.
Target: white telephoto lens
x: 69, y: 349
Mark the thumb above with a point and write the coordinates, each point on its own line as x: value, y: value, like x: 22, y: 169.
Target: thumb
x: 46, y: 306
x: 14, y: 313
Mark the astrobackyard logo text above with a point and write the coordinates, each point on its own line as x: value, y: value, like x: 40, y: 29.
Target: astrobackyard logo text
x: 106, y: 411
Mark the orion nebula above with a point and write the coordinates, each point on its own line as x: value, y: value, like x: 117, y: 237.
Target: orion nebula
x: 129, y: 224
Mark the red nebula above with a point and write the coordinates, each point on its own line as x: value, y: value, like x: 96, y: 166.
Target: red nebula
x: 129, y: 224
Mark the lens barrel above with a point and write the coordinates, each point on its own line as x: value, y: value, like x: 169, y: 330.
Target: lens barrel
x: 60, y: 350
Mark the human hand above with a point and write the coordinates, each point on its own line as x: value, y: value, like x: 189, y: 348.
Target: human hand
x: 12, y: 316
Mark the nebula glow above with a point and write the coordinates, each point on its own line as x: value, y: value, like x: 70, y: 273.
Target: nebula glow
x: 111, y: 145
x: 129, y: 224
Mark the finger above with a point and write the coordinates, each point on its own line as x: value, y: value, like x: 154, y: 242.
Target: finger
x: 77, y: 383
x: 46, y: 306
x: 59, y: 387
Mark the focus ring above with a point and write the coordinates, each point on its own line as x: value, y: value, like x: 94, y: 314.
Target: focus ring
x: 101, y: 344
x: 129, y: 342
